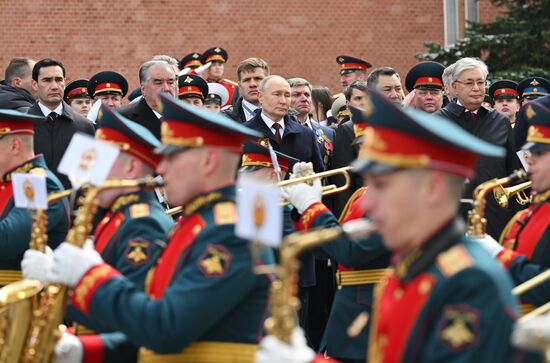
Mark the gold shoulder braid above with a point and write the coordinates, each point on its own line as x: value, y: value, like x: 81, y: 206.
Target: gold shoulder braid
x: 123, y: 200
x: 199, y: 201
x: 541, y: 197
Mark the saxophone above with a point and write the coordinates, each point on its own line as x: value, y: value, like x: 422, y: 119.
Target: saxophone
x: 284, y: 290
x: 477, y: 223
x: 19, y: 299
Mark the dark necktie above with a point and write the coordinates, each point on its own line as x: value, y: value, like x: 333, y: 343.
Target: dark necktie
x: 278, y: 137
x: 471, y: 116
x: 52, y: 117
x: 257, y: 111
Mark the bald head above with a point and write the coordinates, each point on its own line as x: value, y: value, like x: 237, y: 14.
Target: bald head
x: 274, y: 97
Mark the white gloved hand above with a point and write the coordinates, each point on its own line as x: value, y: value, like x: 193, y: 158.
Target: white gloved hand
x: 490, y: 244
x: 272, y: 350
x: 302, y: 195
x: 36, y: 265
x: 69, y: 349
x: 533, y: 334
x: 71, y: 263
x: 301, y: 169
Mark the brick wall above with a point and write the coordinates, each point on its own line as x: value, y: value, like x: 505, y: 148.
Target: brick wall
x: 296, y: 38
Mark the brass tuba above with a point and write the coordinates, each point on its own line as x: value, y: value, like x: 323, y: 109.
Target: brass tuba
x: 503, y: 195
x: 284, y: 300
x: 476, y: 216
x: 19, y: 300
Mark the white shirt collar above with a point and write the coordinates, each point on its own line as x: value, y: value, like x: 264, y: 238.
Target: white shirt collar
x: 458, y: 102
x: 157, y: 114
x: 46, y: 111
x: 248, y: 109
x: 269, y: 122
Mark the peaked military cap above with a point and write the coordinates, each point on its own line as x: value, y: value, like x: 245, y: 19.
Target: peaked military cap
x: 396, y: 139
x: 76, y: 89
x: 15, y: 122
x: 533, y: 87
x: 191, y: 60
x: 127, y: 135
x: 257, y: 155
x: 191, y: 85
x: 538, y: 134
x: 350, y: 64
x: 184, y: 126
x: 503, y: 89
x: 216, y: 54
x: 107, y: 82
x: 216, y: 94
x: 425, y: 75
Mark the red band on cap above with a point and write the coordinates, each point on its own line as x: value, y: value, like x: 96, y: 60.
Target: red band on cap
x: 358, y: 66
x: 185, y: 134
x: 506, y: 91
x: 77, y: 91
x: 7, y: 128
x: 404, y: 150
x: 192, y: 63
x: 190, y: 90
x: 107, y: 87
x: 428, y: 81
x: 129, y: 145
x: 254, y: 159
x: 214, y: 57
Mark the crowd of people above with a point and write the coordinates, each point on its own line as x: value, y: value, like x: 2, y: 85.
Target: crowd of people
x: 151, y: 287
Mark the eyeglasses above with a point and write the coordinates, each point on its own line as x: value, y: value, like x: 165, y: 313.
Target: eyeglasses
x: 470, y: 84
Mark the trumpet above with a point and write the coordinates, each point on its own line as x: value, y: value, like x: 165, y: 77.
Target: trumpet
x: 503, y: 195
x: 531, y: 284
x: 327, y: 189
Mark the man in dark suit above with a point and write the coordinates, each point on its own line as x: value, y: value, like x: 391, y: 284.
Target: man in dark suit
x: 52, y: 137
x: 469, y: 77
x: 250, y: 73
x: 155, y: 77
x: 300, y: 100
x: 284, y: 134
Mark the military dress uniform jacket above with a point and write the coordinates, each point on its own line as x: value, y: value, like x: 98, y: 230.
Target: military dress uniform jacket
x: 130, y: 238
x: 345, y: 152
x: 51, y: 139
x: 297, y: 141
x: 529, y: 237
x: 493, y: 127
x: 15, y: 223
x: 325, y: 140
x: 141, y: 113
x: 203, y: 294
x: 522, y: 125
x: 447, y: 302
x: 366, y: 259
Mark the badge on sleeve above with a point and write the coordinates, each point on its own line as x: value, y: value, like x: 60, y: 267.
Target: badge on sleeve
x: 138, y: 252
x: 214, y: 262
x: 459, y: 327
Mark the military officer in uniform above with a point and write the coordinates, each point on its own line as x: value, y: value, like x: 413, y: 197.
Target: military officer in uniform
x: 445, y: 298
x: 192, y: 89
x: 109, y: 87
x: 525, y: 239
x: 351, y: 69
x: 17, y: 156
x: 425, y: 81
x: 190, y: 61
x: 203, y: 301
x: 529, y: 89
x: 76, y: 95
x: 129, y: 237
x: 218, y: 56
x: 505, y: 98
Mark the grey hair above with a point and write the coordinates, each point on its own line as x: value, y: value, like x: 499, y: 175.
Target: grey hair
x: 166, y: 58
x: 447, y: 74
x: 465, y: 64
x: 144, y: 69
x: 295, y: 82
x: 265, y: 81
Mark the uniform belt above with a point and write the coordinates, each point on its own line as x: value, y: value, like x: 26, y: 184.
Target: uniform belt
x: 204, y: 352
x: 9, y: 276
x: 360, y: 277
x: 526, y: 308
x: 80, y: 329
